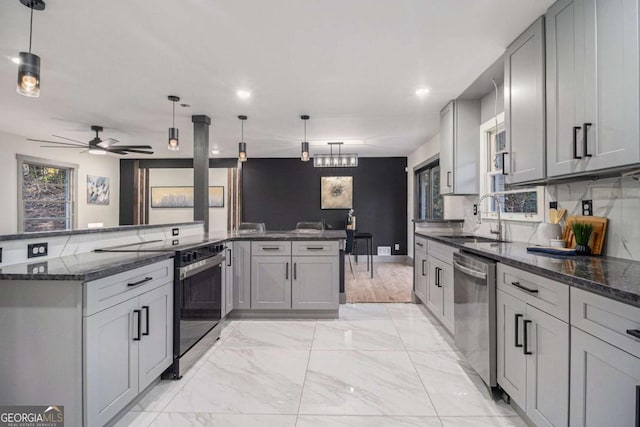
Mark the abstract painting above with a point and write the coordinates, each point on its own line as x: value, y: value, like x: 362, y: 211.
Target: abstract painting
x: 97, y: 190
x: 182, y: 197
x: 336, y: 192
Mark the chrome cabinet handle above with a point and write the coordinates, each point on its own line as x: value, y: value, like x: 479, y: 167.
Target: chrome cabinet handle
x: 638, y: 406
x: 138, y: 313
x: 448, y: 182
x: 504, y: 165
x: 585, y: 131
x: 146, y: 309
x: 525, y: 348
x: 295, y: 271
x: 314, y: 248
x: 518, y: 317
x: 576, y: 129
x: 229, y: 257
x: 140, y: 282
x: 286, y: 272
x: 419, y: 244
x: 270, y: 248
x: 524, y: 288
x: 634, y: 333
x: 423, y: 261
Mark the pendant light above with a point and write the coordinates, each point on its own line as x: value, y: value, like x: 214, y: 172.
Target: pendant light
x: 242, y: 146
x: 304, y: 153
x: 174, y: 140
x: 29, y: 69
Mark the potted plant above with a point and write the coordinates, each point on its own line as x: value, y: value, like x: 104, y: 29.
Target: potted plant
x: 582, y: 234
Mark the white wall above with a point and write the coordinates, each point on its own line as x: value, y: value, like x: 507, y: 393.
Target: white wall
x: 108, y: 165
x: 184, y: 177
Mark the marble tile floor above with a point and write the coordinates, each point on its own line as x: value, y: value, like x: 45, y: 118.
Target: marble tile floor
x: 377, y: 365
x: 392, y: 282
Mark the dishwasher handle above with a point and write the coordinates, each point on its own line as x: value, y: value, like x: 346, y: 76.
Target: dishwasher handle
x: 471, y: 272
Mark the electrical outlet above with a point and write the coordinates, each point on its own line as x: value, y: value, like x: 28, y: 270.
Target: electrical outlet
x: 397, y: 246
x: 175, y: 231
x: 587, y: 208
x: 475, y: 209
x: 35, y: 250
x: 553, y: 205
x: 38, y: 268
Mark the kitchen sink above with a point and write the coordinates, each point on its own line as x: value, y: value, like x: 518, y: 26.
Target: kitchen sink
x: 469, y: 238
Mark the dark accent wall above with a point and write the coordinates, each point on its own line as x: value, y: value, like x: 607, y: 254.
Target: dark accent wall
x: 281, y: 192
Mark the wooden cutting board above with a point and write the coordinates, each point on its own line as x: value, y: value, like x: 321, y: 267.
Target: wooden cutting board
x: 596, y: 242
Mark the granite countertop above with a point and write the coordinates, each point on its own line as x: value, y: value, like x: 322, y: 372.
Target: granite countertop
x: 113, y: 260
x: 438, y: 221
x: 81, y: 267
x: 612, y: 277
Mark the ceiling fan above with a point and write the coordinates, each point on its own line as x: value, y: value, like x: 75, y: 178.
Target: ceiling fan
x: 97, y: 145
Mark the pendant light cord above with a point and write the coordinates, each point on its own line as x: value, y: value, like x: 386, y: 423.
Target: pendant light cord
x: 174, y: 114
x: 242, y: 131
x: 31, y: 29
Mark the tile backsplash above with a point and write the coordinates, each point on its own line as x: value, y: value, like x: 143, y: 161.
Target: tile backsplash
x: 617, y: 199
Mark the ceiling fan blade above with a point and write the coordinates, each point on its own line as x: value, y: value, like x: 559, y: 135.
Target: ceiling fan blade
x: 139, y: 151
x: 134, y: 147
x: 121, y: 152
x: 69, y: 139
x: 57, y: 142
x: 59, y: 146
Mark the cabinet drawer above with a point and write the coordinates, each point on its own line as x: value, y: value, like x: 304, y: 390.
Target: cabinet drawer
x: 607, y: 319
x: 441, y: 251
x: 109, y: 291
x: 547, y: 295
x: 315, y: 248
x: 276, y: 248
x: 420, y: 244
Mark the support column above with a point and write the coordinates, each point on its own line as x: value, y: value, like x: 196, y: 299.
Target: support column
x: 201, y: 125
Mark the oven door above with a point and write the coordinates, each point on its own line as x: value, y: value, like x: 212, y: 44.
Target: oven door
x: 200, y: 301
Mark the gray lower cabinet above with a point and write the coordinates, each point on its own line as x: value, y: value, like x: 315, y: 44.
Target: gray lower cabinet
x: 533, y: 360
x: 605, y: 383
x: 440, y: 291
x: 241, y: 261
x: 592, y: 56
x: 316, y: 283
x: 227, y: 280
x: 420, y: 275
x: 127, y: 346
x: 271, y: 282
x: 524, y: 105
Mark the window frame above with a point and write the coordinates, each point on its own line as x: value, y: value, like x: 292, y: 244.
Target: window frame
x: 430, y: 164
x: 72, y: 190
x: 485, y: 161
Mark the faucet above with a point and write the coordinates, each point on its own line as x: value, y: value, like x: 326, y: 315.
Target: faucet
x: 497, y: 232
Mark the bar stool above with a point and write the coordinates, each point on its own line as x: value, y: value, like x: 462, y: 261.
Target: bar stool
x: 368, y: 237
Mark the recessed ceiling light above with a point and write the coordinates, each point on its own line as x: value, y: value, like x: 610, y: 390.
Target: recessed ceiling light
x: 422, y: 91
x: 243, y: 94
x: 15, y: 60
x: 215, y: 152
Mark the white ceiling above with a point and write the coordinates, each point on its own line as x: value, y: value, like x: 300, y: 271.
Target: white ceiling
x: 353, y: 65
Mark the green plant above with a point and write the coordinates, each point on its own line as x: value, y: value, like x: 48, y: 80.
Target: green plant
x: 582, y: 232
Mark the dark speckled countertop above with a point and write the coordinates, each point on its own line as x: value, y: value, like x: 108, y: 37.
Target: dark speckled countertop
x: 109, y: 261
x: 612, y: 277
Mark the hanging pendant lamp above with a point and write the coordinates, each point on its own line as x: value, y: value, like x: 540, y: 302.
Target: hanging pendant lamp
x: 304, y: 153
x: 29, y: 69
x: 174, y: 140
x: 242, y: 146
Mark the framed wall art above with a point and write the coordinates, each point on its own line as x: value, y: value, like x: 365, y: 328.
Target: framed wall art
x: 336, y: 192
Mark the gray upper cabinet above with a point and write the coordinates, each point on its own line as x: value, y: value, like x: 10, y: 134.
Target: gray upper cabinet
x: 592, y: 85
x: 459, y: 147
x: 524, y: 99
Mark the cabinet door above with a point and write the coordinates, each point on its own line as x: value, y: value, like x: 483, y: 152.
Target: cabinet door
x: 241, y: 260
x: 547, y: 368
x: 447, y: 132
x: 512, y: 364
x: 271, y: 282
x: 316, y: 283
x: 524, y: 89
x: 434, y: 292
x: 446, y: 281
x: 110, y: 361
x: 420, y: 276
x: 565, y: 83
x: 611, y: 83
x: 605, y: 383
x: 156, y: 346
x: 227, y: 291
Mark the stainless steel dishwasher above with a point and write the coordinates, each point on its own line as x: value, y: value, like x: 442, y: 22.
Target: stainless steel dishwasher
x: 474, y: 294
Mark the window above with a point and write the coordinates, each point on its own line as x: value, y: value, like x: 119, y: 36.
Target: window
x: 523, y: 204
x: 427, y: 183
x: 46, y: 195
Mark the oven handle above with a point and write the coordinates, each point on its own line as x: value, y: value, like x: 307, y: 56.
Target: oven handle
x: 200, y: 266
